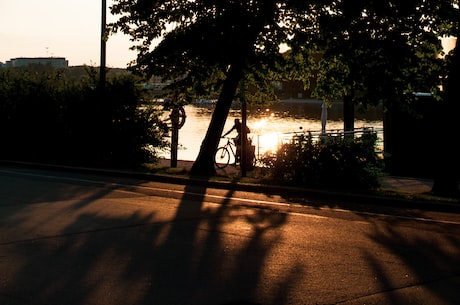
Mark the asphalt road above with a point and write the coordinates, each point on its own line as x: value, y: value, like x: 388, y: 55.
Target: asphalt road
x: 69, y: 238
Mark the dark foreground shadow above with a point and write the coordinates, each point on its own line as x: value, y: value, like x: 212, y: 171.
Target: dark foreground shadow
x: 190, y: 253
x: 424, y: 262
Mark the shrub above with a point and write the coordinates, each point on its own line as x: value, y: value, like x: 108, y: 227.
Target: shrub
x: 48, y: 116
x: 338, y: 162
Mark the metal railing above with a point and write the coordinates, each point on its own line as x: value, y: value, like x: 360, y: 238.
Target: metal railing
x: 316, y: 135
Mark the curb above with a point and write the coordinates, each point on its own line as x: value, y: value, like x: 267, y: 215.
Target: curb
x: 358, y: 198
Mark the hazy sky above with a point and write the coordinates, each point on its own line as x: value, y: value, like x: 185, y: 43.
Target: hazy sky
x: 60, y: 28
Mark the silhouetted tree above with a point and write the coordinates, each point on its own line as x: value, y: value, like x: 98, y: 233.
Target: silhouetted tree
x: 371, y: 50
x: 210, y: 39
x: 384, y: 51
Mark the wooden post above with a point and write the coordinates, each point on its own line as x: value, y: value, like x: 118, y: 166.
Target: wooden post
x: 103, y: 45
x: 244, y: 134
x: 174, y: 135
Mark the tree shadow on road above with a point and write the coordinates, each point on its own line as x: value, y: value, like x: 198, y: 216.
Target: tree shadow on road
x: 148, y: 250
x: 426, y: 264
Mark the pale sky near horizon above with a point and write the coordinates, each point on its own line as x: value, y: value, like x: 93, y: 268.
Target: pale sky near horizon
x: 60, y: 28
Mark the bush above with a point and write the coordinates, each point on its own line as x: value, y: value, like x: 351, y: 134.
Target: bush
x: 47, y: 116
x: 339, y: 162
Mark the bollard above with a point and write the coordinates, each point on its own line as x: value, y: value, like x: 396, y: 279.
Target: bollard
x: 178, y: 120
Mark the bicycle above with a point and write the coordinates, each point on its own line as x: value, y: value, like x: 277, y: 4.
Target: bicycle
x: 225, y: 154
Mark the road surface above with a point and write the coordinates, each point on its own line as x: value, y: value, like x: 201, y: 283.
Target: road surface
x: 69, y: 238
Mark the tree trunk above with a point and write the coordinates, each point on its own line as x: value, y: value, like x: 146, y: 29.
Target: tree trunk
x: 204, y: 164
x: 348, y: 113
x: 446, y: 177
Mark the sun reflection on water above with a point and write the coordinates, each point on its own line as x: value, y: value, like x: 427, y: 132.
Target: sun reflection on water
x: 268, y: 142
x: 268, y: 129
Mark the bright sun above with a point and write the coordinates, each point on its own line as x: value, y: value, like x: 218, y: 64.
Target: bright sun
x: 264, y: 141
x: 268, y: 142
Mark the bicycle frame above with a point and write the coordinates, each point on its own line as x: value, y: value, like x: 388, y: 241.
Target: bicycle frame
x: 231, y: 146
x: 224, y: 154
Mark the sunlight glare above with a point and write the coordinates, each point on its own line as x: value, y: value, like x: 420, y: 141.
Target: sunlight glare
x: 269, y: 142
x: 259, y: 124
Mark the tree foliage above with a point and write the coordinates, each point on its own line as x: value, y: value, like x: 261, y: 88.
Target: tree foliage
x: 375, y: 51
x: 202, y: 40
x: 370, y: 50
x: 197, y: 41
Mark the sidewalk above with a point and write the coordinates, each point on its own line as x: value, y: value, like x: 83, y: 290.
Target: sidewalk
x: 407, y: 185
x: 407, y: 192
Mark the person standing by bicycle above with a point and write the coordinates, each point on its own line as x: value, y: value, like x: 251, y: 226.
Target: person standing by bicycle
x: 237, y: 140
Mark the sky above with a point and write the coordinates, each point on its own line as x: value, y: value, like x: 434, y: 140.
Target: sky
x: 60, y: 28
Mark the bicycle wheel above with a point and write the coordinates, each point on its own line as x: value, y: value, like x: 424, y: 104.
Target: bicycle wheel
x: 222, y: 157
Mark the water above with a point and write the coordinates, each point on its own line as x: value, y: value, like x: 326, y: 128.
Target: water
x: 269, y: 126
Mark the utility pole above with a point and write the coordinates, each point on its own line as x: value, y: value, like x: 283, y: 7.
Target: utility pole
x: 243, y: 133
x: 103, y: 44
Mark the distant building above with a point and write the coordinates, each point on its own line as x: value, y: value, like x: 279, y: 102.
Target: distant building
x: 55, y: 62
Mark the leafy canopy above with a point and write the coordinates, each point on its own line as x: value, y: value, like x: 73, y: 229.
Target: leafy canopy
x: 372, y: 48
x: 375, y: 47
x: 193, y: 42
